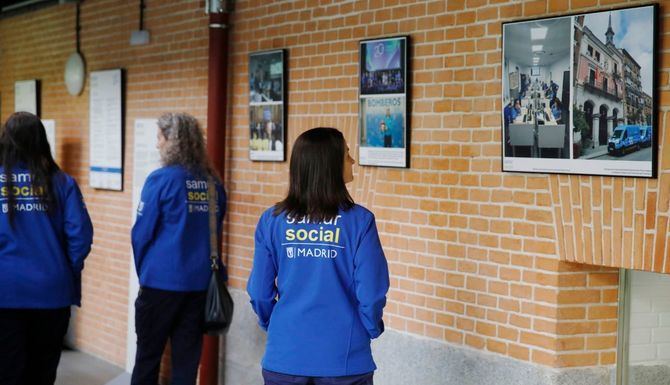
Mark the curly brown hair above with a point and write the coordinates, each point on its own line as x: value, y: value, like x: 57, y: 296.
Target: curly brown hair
x: 185, y: 144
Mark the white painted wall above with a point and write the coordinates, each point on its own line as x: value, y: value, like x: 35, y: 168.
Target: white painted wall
x: 649, y: 338
x: 510, y: 67
x: 556, y: 70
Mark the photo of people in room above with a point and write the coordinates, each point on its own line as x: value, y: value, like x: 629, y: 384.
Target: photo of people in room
x: 536, y: 88
x: 383, y: 67
x: 266, y: 133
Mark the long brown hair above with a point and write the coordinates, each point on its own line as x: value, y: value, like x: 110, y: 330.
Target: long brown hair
x: 316, y: 184
x: 24, y: 142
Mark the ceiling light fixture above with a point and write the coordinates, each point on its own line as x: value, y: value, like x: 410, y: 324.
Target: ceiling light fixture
x: 75, y: 67
x: 538, y: 33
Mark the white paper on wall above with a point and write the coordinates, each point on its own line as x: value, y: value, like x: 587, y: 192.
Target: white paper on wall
x: 145, y: 160
x: 25, y: 96
x: 50, y: 128
x: 106, y: 130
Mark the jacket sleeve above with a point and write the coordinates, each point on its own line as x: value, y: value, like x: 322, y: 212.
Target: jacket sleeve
x: 261, y: 284
x: 371, y: 279
x: 78, y: 227
x: 148, y: 215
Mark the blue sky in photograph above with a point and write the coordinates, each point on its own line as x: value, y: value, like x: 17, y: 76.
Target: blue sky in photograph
x: 632, y: 31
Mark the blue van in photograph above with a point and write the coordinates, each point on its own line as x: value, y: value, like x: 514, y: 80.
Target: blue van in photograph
x: 645, y: 136
x: 624, y: 137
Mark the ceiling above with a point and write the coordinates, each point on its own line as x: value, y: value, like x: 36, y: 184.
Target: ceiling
x: 555, y: 45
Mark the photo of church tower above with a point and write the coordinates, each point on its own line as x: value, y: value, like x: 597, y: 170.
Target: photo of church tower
x: 612, y: 83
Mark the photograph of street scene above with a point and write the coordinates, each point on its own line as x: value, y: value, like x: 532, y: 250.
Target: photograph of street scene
x: 613, y: 85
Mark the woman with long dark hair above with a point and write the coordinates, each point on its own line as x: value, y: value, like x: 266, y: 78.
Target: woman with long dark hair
x: 172, y: 253
x: 319, y: 277
x: 45, y: 235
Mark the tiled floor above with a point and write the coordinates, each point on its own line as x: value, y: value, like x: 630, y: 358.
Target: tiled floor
x: 78, y: 368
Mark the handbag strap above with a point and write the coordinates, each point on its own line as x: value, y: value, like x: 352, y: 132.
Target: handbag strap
x: 213, y: 247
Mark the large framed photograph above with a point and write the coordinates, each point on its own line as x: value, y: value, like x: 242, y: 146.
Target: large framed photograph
x: 383, y: 103
x: 579, y: 94
x: 267, y: 112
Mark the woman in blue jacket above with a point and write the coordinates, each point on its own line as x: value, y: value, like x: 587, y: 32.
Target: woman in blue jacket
x: 45, y: 234
x: 171, y: 246
x: 319, y: 277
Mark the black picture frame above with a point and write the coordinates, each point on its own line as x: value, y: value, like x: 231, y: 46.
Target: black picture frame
x: 267, y: 105
x: 592, y: 108
x: 384, y: 108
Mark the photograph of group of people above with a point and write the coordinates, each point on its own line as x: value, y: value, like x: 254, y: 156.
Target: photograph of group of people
x: 383, y: 102
x: 266, y: 106
x: 267, y: 133
x: 577, y: 93
x: 382, y: 82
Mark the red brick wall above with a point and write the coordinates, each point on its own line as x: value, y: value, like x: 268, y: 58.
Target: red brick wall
x: 169, y: 74
x: 474, y: 253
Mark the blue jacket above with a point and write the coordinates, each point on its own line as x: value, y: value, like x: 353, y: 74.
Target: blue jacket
x: 42, y: 252
x: 507, y: 112
x: 556, y: 112
x: 171, y: 234
x: 330, y: 292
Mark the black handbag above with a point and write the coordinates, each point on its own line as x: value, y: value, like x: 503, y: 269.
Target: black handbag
x: 218, y: 303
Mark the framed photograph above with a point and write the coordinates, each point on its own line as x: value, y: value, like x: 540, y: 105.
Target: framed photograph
x: 267, y: 113
x: 580, y: 97
x: 383, y: 103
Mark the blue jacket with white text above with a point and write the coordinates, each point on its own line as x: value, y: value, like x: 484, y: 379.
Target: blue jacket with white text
x: 319, y: 289
x: 171, y: 233
x: 42, y: 251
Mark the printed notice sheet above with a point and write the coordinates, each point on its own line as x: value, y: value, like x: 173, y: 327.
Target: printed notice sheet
x: 25, y: 96
x: 106, y: 130
x: 50, y: 128
x: 145, y: 160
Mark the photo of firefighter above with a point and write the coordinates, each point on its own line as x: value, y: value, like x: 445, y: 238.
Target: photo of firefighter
x: 536, y: 89
x: 383, y: 122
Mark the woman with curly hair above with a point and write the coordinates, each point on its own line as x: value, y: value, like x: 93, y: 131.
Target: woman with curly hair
x: 171, y: 246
